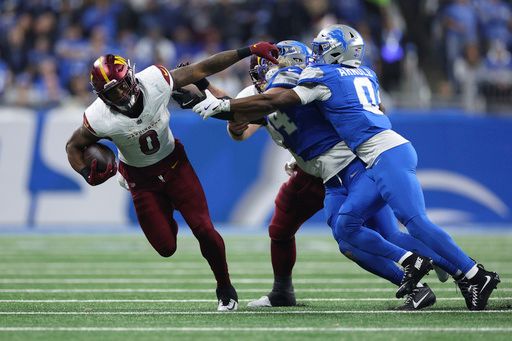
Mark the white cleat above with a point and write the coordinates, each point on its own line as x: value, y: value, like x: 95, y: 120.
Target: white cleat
x: 231, y: 306
x: 442, y: 275
x: 263, y: 301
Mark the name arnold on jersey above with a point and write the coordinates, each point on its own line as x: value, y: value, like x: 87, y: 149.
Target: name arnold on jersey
x: 354, y: 72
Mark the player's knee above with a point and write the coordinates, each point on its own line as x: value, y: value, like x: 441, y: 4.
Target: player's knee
x: 346, y: 225
x: 280, y: 233
x: 167, y: 250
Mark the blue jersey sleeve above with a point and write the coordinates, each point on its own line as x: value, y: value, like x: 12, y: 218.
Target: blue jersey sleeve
x: 312, y: 74
x: 285, y: 78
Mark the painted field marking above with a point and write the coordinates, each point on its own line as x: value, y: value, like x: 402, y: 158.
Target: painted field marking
x: 255, y: 312
x: 190, y: 280
x: 338, y: 299
x: 259, y: 329
x: 184, y: 290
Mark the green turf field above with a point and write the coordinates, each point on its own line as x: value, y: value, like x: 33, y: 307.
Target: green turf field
x: 117, y: 288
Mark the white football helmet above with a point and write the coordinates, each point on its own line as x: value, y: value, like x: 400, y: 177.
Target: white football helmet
x: 339, y: 44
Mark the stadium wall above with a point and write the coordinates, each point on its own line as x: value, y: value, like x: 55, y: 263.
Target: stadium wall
x: 464, y: 165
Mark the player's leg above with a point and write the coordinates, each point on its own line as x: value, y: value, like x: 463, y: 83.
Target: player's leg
x: 380, y: 266
x: 298, y: 200
x: 395, y: 175
x: 187, y: 195
x: 362, y: 202
x: 154, y: 212
x: 384, y: 222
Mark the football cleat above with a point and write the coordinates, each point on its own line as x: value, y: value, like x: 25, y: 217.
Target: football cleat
x: 415, y: 267
x: 480, y: 288
x: 442, y: 275
x: 228, y: 299
x: 274, y: 299
x: 420, y: 298
x: 463, y: 285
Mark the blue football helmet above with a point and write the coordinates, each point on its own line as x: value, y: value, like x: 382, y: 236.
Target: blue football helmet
x: 338, y: 44
x: 294, y: 51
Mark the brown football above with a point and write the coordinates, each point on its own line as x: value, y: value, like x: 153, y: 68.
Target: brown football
x: 100, y: 152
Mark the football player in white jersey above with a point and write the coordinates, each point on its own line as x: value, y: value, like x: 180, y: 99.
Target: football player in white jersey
x: 131, y: 110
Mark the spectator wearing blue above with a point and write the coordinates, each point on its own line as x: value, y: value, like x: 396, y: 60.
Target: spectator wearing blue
x: 460, y: 27
x: 495, y: 18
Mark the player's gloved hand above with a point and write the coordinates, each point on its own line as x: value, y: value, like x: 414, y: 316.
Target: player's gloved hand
x: 236, y: 129
x: 290, y: 167
x: 122, y: 182
x: 211, y: 106
x: 96, y: 178
x: 265, y: 50
x: 262, y: 49
x: 185, y: 98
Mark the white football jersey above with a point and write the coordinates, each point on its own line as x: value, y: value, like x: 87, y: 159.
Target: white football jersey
x: 147, y: 139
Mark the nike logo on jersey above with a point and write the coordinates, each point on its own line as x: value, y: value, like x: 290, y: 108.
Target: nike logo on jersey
x: 418, y: 263
x: 173, y: 166
x: 487, y: 280
x: 416, y: 304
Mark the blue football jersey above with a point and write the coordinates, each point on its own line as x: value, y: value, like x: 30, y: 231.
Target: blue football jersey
x: 302, y: 129
x: 353, y: 107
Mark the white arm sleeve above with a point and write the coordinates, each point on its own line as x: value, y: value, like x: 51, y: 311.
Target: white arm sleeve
x: 313, y: 93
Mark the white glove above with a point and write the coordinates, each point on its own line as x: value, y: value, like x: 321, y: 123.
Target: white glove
x: 290, y: 167
x: 122, y: 182
x: 211, y: 105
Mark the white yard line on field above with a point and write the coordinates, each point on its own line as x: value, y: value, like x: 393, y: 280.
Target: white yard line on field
x: 255, y: 312
x: 191, y: 280
x: 185, y: 290
x: 413, y: 329
x: 305, y: 299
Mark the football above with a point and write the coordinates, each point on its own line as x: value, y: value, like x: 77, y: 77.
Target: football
x: 100, y: 152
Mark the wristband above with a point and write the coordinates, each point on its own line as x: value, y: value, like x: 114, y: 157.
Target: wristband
x: 225, y: 116
x: 202, y: 84
x: 85, y: 173
x: 244, y: 52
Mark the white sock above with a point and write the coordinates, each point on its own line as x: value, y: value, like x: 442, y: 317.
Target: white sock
x: 472, y: 272
x: 404, y: 257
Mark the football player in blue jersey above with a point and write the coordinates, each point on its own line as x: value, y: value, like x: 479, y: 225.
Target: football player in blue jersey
x: 320, y: 151
x: 347, y: 94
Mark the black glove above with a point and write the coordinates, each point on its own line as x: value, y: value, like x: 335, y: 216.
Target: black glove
x: 187, y: 99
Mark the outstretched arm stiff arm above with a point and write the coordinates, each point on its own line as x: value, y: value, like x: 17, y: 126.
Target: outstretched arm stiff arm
x: 247, y: 109
x: 220, y: 61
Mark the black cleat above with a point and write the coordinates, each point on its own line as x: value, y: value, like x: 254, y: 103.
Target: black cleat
x: 480, y: 288
x: 275, y: 299
x: 420, y: 298
x: 228, y: 299
x: 463, y: 285
x: 415, y: 267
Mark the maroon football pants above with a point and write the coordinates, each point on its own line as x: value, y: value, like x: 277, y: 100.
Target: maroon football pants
x: 170, y: 184
x: 298, y: 200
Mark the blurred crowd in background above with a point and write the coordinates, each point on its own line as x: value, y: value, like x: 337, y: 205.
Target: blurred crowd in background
x: 426, y: 52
